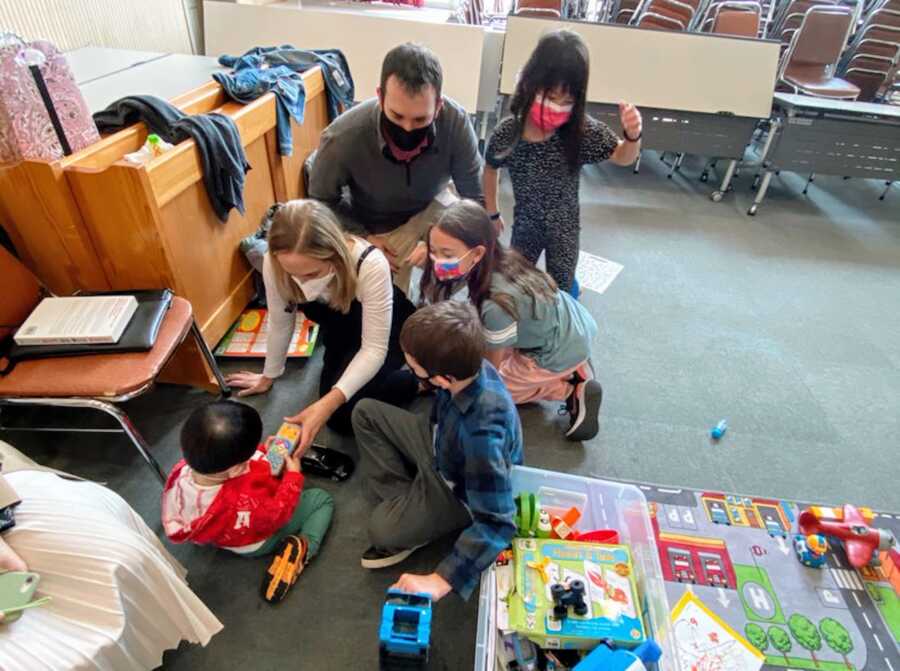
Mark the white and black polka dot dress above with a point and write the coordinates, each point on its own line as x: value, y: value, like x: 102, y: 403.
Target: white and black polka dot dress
x: 546, y: 216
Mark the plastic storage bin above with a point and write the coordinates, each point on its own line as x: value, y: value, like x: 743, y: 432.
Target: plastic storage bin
x: 603, y: 504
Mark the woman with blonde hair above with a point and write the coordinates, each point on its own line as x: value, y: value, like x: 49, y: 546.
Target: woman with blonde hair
x: 344, y: 284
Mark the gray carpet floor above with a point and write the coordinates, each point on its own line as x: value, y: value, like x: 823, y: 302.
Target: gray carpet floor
x: 786, y: 324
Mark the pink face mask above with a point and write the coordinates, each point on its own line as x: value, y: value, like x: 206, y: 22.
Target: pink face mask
x: 547, y: 115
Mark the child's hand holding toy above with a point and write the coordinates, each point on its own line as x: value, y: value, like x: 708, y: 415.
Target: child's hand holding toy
x: 283, y: 450
x: 432, y: 584
x: 292, y: 462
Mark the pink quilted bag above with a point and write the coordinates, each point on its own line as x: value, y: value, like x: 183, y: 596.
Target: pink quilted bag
x: 42, y: 112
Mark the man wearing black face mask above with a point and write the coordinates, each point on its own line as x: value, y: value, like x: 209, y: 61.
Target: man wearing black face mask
x: 397, y: 154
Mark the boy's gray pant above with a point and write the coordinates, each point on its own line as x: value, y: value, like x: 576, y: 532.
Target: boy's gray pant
x: 412, y: 504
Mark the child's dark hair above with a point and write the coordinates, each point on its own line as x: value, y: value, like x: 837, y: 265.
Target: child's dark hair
x: 220, y: 435
x: 468, y: 222
x: 560, y: 59
x: 445, y: 339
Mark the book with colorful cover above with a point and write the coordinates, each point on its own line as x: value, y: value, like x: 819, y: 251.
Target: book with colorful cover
x: 611, y: 603
x: 247, y: 338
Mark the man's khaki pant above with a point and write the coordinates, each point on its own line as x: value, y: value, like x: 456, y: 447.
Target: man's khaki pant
x: 403, y: 239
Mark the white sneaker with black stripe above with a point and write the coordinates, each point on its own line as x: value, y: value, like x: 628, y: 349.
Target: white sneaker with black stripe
x: 583, y: 406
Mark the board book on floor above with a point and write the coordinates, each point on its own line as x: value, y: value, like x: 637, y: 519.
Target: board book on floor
x: 247, y: 338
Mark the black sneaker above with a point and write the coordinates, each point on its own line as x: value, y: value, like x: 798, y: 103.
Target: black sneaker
x: 377, y: 558
x: 583, y: 406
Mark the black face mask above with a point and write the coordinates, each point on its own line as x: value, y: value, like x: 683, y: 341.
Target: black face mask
x: 425, y: 380
x: 407, y: 140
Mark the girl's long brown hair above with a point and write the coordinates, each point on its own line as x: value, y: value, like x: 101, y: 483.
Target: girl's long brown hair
x: 309, y: 227
x: 468, y: 222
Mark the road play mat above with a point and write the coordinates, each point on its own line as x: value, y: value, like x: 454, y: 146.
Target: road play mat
x: 736, y: 555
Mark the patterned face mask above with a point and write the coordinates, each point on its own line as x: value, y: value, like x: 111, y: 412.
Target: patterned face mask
x: 447, y: 270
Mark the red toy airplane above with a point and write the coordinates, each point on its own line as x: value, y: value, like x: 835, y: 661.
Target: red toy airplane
x: 861, y: 542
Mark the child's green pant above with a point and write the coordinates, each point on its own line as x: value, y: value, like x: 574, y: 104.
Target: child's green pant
x: 311, y: 519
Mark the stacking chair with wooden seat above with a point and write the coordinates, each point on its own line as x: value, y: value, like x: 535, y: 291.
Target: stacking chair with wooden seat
x: 870, y: 74
x: 470, y: 12
x: 892, y: 92
x: 697, y: 7
x: 95, y: 381
x: 808, y: 65
x: 737, y: 21
x: 550, y: 9
x: 664, y: 15
x: 873, y: 54
x: 882, y: 25
x: 624, y: 11
x: 791, y: 16
x: 766, y: 16
x: 740, y: 19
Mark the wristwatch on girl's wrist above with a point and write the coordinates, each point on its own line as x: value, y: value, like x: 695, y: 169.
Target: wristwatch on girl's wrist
x: 628, y: 139
x: 495, y: 216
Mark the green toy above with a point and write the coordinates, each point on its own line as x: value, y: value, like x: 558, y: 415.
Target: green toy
x: 527, y: 515
x: 16, y: 590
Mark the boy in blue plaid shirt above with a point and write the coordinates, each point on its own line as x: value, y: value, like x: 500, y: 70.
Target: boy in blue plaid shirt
x: 429, y: 476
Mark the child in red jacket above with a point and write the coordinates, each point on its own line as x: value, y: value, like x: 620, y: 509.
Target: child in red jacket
x: 223, y: 493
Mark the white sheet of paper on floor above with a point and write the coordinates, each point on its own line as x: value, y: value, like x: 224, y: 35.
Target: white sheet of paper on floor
x: 704, y: 641
x: 596, y: 273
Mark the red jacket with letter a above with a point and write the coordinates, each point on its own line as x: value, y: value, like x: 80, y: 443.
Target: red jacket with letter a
x: 244, y: 510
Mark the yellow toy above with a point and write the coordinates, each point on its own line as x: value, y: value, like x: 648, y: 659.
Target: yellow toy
x: 541, y: 568
x: 281, y: 445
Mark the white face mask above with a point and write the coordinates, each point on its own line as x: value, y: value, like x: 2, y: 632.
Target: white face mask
x: 316, y: 287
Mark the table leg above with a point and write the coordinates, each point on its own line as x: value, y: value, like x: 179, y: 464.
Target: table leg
x: 716, y: 196
x: 812, y: 177
x: 676, y: 164
x: 767, y: 145
x: 482, y: 130
x: 763, y: 187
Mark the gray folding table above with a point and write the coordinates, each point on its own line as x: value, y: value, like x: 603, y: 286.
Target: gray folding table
x: 720, y: 136
x: 830, y: 137
x: 698, y: 93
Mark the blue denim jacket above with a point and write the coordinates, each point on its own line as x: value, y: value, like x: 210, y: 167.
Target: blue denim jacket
x: 336, y: 71
x: 251, y: 79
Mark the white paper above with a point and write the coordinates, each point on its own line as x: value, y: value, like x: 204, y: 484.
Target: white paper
x: 705, y: 645
x: 596, y: 273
